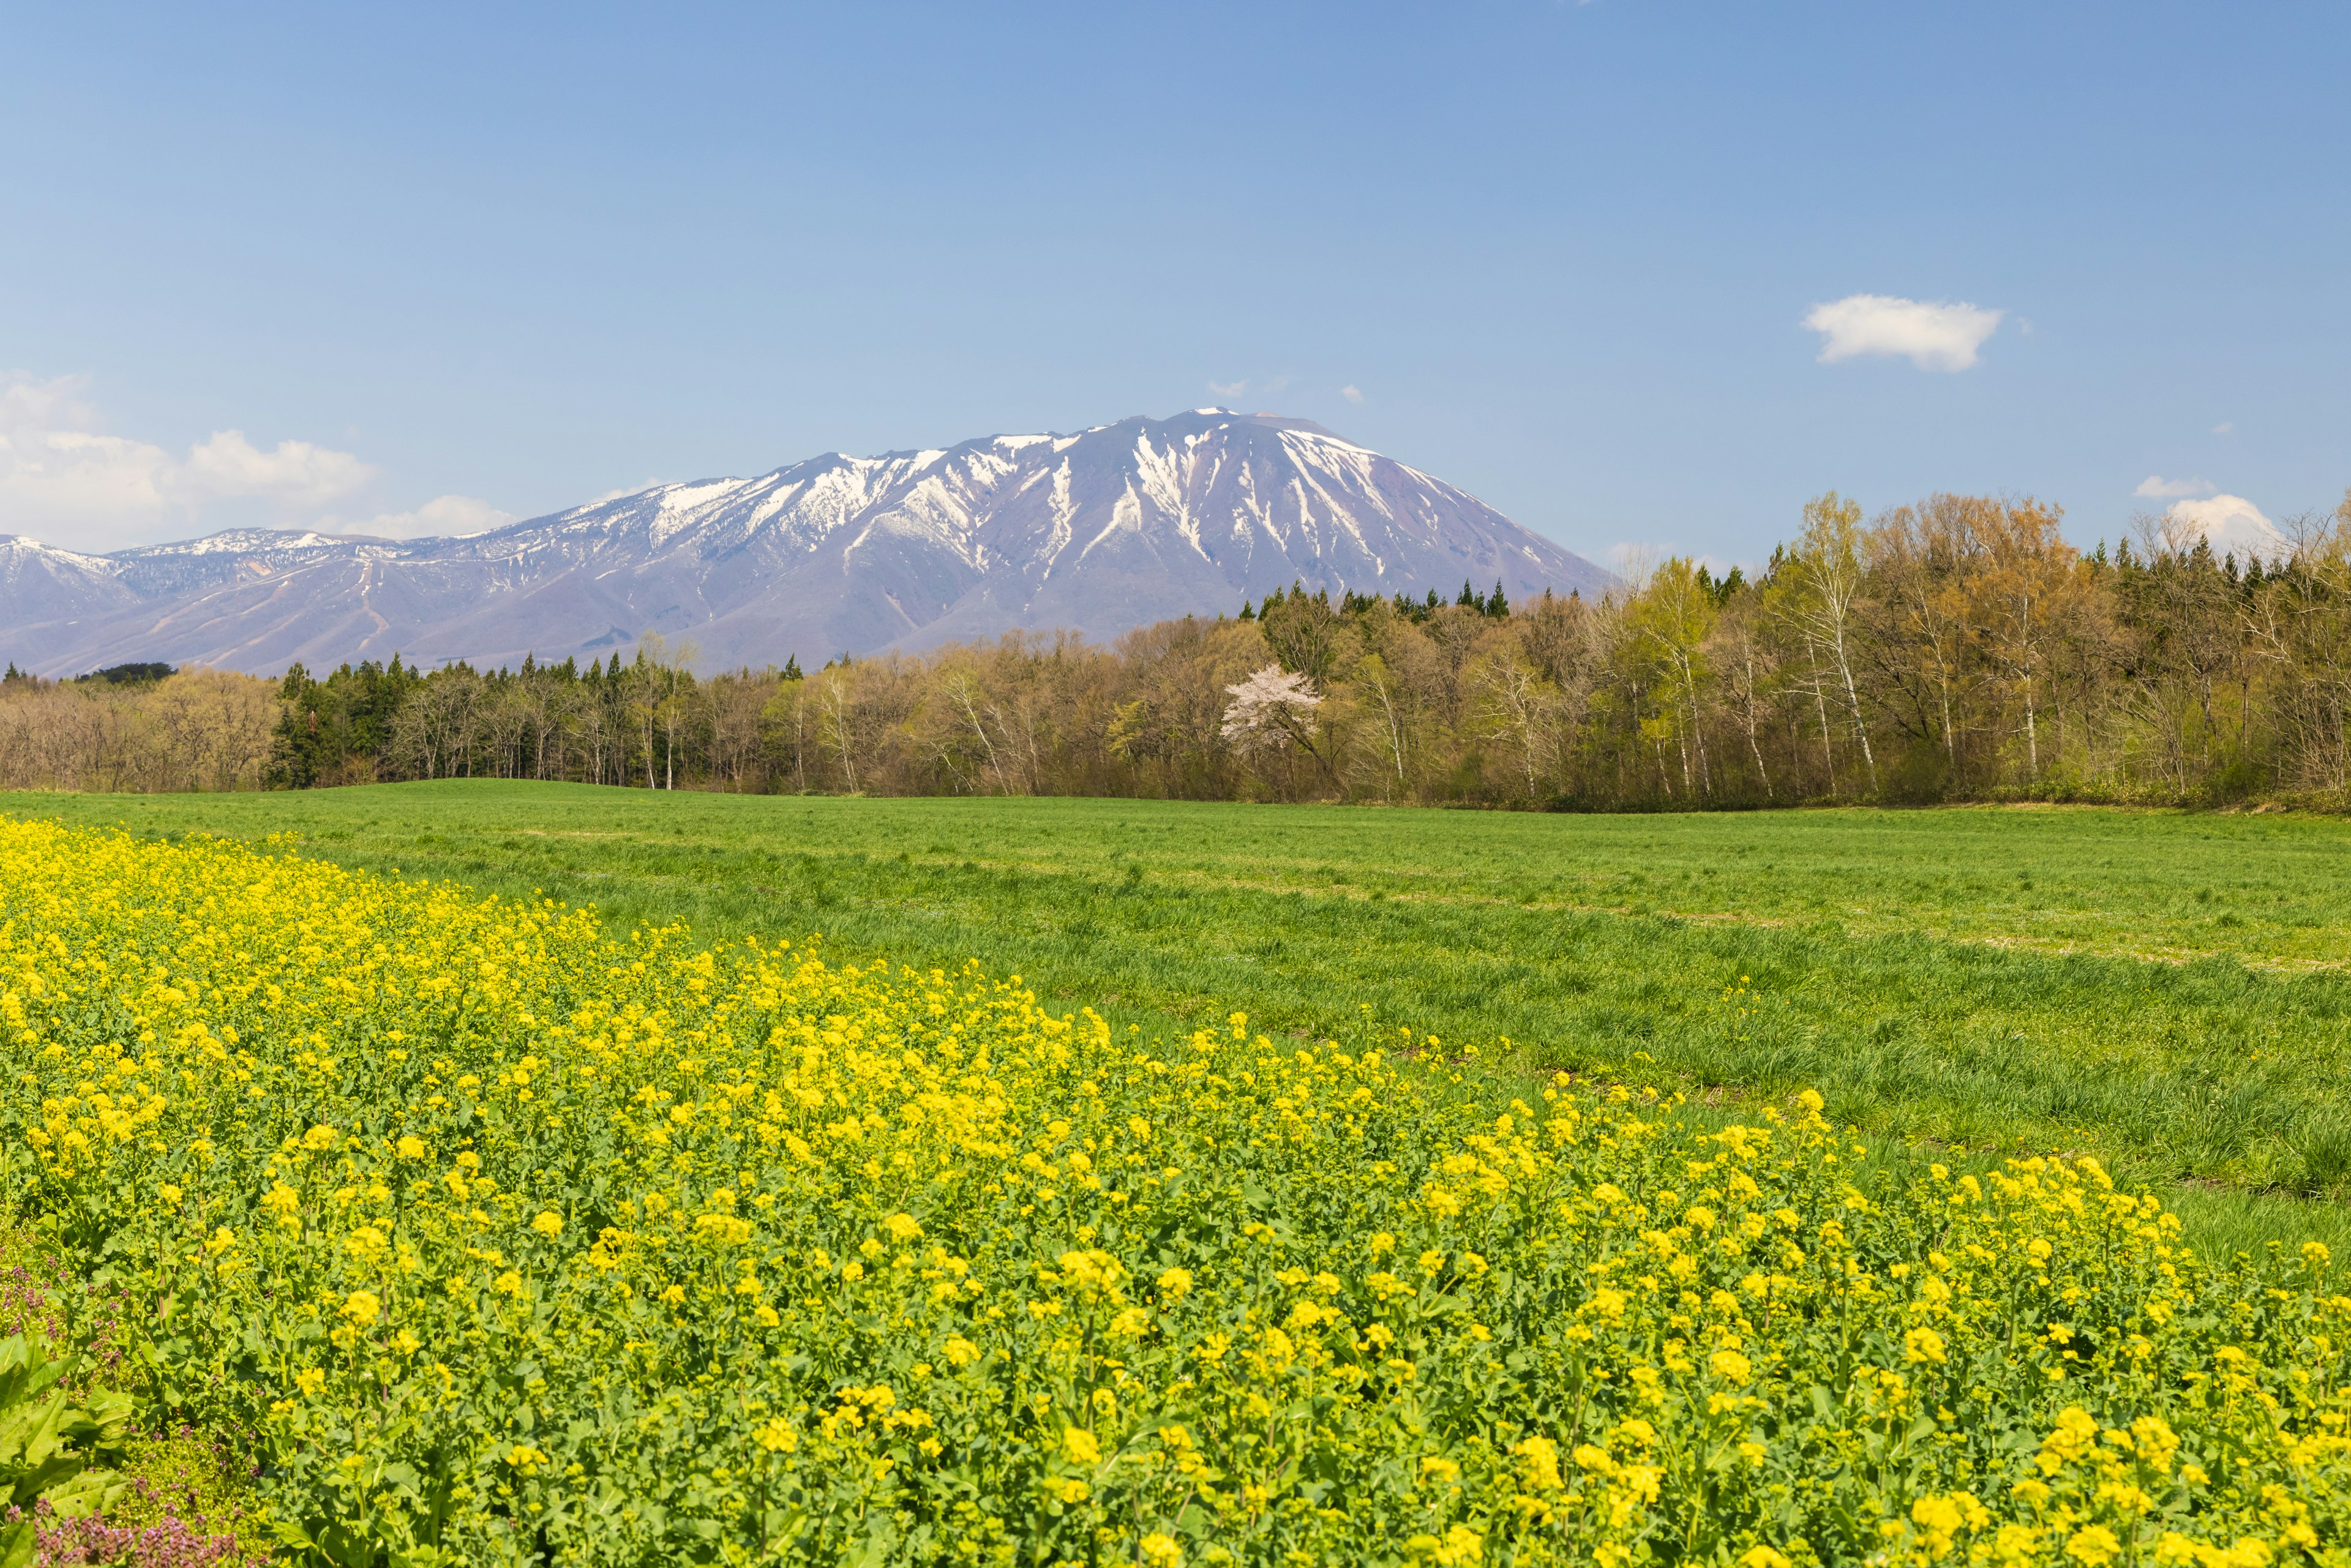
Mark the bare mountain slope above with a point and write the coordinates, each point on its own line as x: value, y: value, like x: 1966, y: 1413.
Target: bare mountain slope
x: 1100, y: 531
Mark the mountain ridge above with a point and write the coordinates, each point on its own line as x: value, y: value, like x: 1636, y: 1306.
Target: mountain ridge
x: 1096, y: 531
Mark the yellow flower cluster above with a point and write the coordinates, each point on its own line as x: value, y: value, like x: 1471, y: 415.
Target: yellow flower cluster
x: 519, y: 1241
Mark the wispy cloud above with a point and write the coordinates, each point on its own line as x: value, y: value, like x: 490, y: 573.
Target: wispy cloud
x: 2226, y: 427
x: 1228, y: 389
x: 1934, y: 335
x: 1351, y: 393
x: 65, y: 478
x: 2156, y: 487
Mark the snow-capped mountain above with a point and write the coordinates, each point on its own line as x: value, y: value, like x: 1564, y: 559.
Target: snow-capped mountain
x: 1099, y: 531
x: 39, y: 583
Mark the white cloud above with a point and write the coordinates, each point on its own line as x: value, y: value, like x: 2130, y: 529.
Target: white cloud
x: 1934, y: 335
x: 56, y: 465
x: 2156, y: 487
x: 2226, y: 427
x: 2230, y: 524
x: 1634, y: 561
x: 65, y: 480
x: 1228, y: 389
x: 294, y: 471
x: 1351, y: 393
x: 442, y: 515
x: 637, y: 489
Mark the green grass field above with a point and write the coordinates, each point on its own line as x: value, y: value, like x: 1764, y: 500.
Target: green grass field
x: 2163, y: 990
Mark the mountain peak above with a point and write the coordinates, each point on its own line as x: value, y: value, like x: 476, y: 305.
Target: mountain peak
x: 1097, y: 531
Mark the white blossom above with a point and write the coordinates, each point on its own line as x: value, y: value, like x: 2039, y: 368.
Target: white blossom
x: 1271, y: 710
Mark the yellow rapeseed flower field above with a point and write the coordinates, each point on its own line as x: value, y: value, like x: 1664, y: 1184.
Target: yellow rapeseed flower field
x: 512, y: 1239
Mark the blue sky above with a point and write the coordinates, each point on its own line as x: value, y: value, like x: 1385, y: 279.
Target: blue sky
x: 413, y: 268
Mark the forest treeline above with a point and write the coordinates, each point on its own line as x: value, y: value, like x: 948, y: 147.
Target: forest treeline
x: 1956, y: 649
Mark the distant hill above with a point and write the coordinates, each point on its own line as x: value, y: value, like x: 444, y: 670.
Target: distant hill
x: 1100, y: 531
